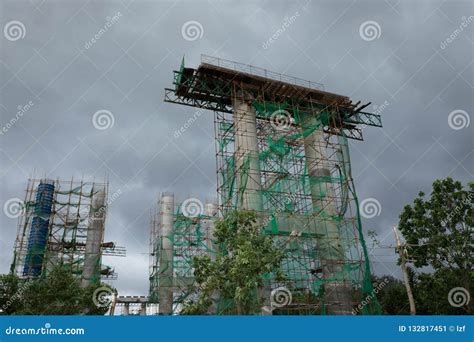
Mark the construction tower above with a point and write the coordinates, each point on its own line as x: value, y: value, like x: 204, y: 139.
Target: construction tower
x: 63, y: 223
x: 179, y: 232
x: 282, y: 151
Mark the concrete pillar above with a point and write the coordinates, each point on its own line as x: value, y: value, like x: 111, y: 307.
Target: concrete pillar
x: 142, y: 311
x: 95, y: 235
x: 246, y: 151
x: 113, y: 305
x: 337, y: 293
x: 126, y: 309
x: 165, y: 276
x: 211, y: 211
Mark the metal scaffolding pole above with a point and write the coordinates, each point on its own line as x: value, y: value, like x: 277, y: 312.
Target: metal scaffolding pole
x: 337, y: 291
x: 95, y: 236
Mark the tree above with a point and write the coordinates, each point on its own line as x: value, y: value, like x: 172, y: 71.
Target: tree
x: 59, y: 293
x: 237, y: 272
x: 11, y: 290
x: 439, y: 234
x: 392, y: 295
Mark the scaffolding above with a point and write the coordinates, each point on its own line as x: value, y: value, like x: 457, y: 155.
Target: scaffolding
x: 282, y: 151
x: 171, y: 270
x: 62, y: 223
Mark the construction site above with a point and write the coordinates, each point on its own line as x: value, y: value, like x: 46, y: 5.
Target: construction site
x: 237, y: 171
x: 63, y: 223
x: 282, y: 152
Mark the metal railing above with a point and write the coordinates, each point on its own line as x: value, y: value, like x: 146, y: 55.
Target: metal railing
x: 250, y: 69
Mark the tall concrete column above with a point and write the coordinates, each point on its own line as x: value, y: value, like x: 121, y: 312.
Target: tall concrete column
x: 208, y: 224
x: 337, y: 289
x: 246, y: 151
x: 126, y: 309
x: 210, y: 210
x: 95, y: 235
x: 142, y: 311
x: 165, y: 276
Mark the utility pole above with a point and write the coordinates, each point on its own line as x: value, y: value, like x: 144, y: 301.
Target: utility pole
x: 401, y: 250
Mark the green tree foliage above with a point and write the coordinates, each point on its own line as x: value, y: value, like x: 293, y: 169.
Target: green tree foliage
x: 432, y: 292
x: 392, y: 295
x: 439, y: 235
x: 57, y: 294
x: 236, y: 274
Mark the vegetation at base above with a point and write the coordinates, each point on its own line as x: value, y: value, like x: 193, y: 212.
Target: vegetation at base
x: 59, y: 293
x: 236, y: 276
x: 439, y: 235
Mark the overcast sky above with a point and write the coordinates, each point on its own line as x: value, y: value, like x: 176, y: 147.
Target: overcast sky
x: 393, y: 53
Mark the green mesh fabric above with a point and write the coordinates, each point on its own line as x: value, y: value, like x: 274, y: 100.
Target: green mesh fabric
x: 290, y: 215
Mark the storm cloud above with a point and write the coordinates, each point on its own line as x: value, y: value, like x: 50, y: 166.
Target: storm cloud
x: 64, y: 61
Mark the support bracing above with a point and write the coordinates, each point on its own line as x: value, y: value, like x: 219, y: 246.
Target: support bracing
x: 282, y: 151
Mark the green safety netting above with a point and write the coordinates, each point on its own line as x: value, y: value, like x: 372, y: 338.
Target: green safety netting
x: 314, y: 218
x: 287, y: 195
x: 189, y: 239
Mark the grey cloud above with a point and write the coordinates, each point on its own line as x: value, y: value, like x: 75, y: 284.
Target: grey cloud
x: 126, y: 70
